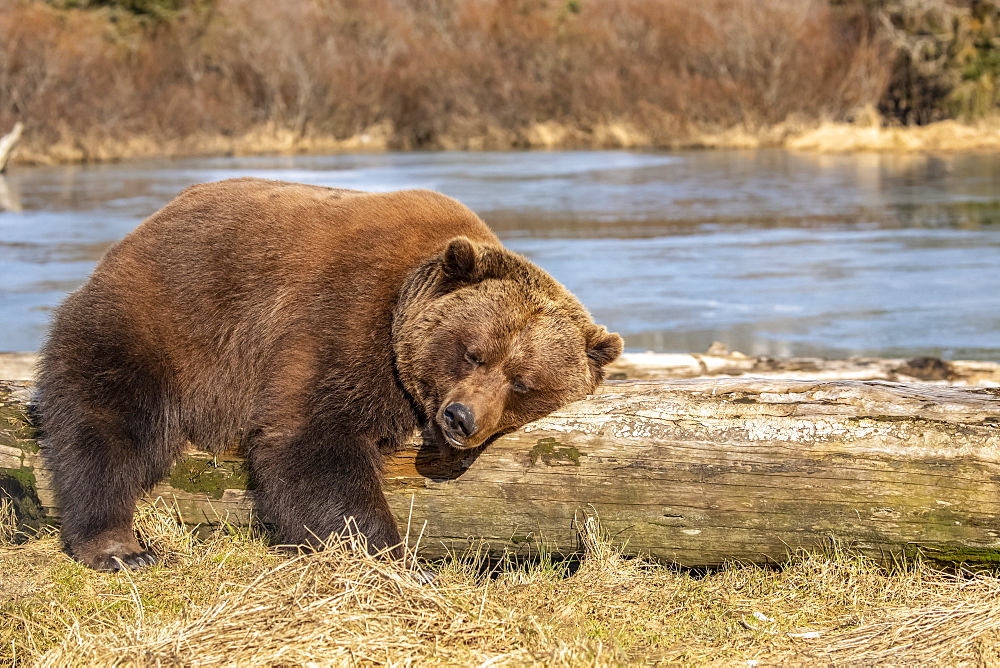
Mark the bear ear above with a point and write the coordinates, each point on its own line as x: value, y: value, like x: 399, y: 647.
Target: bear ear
x: 458, y: 261
x: 603, y: 347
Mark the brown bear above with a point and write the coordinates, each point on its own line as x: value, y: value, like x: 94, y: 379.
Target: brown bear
x: 318, y: 326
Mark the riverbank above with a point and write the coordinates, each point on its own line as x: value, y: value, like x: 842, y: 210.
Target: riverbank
x: 940, y: 136
x: 827, y: 137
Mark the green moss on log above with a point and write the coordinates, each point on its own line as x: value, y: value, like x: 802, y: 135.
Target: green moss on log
x: 554, y: 453
x: 24, y: 475
x: 208, y: 477
x: 957, y: 555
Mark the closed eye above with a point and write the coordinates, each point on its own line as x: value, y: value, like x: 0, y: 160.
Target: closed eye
x: 473, y: 359
x: 519, y: 386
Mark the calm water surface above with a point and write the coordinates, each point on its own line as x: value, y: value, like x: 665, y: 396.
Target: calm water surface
x: 770, y: 252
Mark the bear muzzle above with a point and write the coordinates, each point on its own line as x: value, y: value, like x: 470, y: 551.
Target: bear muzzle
x: 458, y: 424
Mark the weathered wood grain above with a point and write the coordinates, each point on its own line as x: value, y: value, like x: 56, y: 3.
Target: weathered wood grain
x: 695, y: 472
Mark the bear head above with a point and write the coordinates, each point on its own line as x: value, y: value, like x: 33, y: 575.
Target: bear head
x: 485, y: 342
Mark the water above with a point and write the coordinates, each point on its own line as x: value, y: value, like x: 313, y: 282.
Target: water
x: 770, y: 252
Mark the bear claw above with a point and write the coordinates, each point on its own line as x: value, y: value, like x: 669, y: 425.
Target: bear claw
x: 131, y: 562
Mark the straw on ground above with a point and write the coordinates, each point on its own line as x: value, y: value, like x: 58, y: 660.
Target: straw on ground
x: 230, y: 599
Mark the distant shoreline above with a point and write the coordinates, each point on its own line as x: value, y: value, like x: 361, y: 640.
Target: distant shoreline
x: 827, y: 137
x: 98, y: 82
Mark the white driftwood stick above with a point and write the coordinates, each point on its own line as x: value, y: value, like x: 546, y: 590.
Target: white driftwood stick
x: 8, y: 143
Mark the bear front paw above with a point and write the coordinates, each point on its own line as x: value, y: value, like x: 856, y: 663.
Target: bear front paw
x: 109, y: 553
x: 133, y: 561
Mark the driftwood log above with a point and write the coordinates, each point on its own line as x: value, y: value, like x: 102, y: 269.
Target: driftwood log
x: 695, y: 472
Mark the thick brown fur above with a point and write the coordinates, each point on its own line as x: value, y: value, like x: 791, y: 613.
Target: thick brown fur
x: 320, y: 326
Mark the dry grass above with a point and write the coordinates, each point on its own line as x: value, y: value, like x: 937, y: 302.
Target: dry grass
x: 8, y: 520
x: 866, y: 132
x: 940, y: 136
x: 232, y: 600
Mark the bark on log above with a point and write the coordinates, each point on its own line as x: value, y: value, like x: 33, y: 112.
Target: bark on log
x: 694, y: 472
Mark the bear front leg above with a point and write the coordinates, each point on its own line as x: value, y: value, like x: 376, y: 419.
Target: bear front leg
x: 316, y: 488
x: 98, y: 481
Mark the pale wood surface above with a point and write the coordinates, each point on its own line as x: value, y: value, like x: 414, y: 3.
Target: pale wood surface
x: 8, y: 143
x: 694, y: 472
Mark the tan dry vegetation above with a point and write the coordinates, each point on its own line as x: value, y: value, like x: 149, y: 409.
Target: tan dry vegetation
x: 237, y: 76
x: 868, y: 132
x: 983, y: 134
x: 231, y: 600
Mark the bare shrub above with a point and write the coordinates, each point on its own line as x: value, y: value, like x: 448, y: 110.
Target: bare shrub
x: 438, y: 73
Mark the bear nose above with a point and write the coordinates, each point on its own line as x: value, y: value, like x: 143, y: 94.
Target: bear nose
x: 459, y: 418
